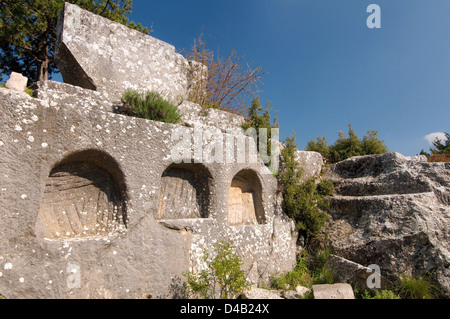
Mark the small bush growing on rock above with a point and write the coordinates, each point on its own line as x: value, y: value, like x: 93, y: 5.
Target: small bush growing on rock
x: 379, y: 294
x: 222, y: 278
x: 310, y: 270
x: 303, y: 201
x: 299, y: 276
x: 150, y: 106
x: 417, y: 288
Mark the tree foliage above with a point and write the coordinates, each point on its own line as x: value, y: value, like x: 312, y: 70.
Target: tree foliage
x: 305, y: 202
x: 260, y: 120
x: 346, y: 147
x: 28, y: 32
x: 222, y: 82
x: 440, y: 152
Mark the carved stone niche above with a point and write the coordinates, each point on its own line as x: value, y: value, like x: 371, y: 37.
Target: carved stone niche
x: 185, y: 192
x: 245, y: 206
x: 82, y: 200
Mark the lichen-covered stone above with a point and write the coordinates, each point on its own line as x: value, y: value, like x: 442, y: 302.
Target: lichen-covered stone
x: 97, y: 54
x: 63, y: 235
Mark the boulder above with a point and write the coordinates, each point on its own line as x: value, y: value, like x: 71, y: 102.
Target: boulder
x: 311, y: 163
x: 354, y: 273
x: 392, y: 211
x: 336, y: 291
x: 97, y: 54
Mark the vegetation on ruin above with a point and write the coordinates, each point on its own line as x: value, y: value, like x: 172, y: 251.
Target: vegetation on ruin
x: 421, y: 287
x: 150, y: 106
x: 304, y: 201
x: 222, y: 82
x: 28, y: 32
x: 408, y: 287
x: 28, y: 91
x: 310, y: 270
x: 259, y: 118
x: 222, y: 277
x: 346, y: 147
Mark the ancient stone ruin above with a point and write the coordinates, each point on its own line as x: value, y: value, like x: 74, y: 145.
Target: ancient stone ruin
x: 93, y: 204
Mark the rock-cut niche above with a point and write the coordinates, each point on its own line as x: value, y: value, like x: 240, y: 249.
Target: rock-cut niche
x: 185, y: 192
x: 82, y: 199
x: 245, y: 206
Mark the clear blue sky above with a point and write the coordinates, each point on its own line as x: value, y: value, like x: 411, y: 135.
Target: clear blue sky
x: 325, y: 67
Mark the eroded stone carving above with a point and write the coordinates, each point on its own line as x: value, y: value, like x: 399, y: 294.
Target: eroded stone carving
x: 244, y: 200
x: 80, y: 200
x: 184, y: 192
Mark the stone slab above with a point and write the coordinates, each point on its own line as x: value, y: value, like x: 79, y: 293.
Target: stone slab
x: 98, y: 54
x: 336, y: 291
x: 17, y: 82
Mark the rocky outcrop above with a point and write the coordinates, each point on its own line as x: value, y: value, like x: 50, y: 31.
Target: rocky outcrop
x: 392, y: 211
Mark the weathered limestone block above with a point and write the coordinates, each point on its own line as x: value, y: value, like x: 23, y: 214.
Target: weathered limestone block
x: 17, y: 82
x: 61, y: 93
x: 356, y: 274
x: 195, y: 116
x: 392, y: 211
x: 336, y: 291
x: 97, y: 54
x: 310, y: 162
x: 105, y: 171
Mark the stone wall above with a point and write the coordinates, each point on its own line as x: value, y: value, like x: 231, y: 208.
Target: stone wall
x: 81, y: 188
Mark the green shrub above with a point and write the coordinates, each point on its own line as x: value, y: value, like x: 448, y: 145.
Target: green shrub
x: 325, y: 188
x: 417, y: 288
x: 378, y: 294
x: 150, y: 106
x: 310, y: 270
x: 223, y: 276
x: 346, y: 147
x: 299, y: 276
x: 306, y: 201
x: 30, y: 92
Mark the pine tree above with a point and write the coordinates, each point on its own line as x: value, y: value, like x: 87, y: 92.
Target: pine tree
x: 28, y: 32
x: 257, y: 119
x: 346, y: 147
